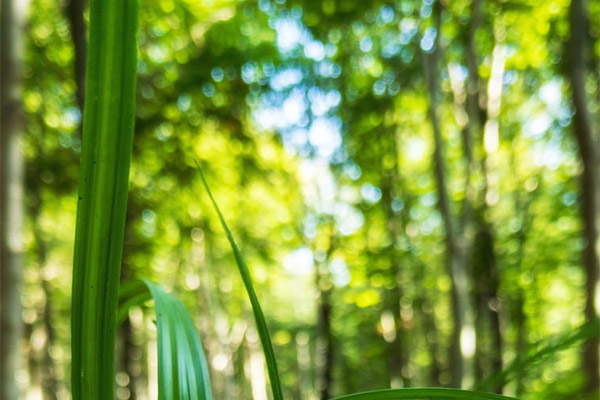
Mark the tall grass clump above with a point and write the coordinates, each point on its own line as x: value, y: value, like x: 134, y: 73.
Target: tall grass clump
x: 98, y: 301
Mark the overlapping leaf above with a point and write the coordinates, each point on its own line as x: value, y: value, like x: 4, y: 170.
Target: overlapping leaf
x: 183, y: 372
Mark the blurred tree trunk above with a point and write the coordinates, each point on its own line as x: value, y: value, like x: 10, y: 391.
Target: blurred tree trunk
x: 517, y: 305
x: 483, y: 110
x: 397, y: 354
x: 490, y: 302
x: 74, y: 10
x: 49, y: 379
x: 454, y: 260
x: 590, y: 191
x: 126, y: 362
x: 305, y: 381
x: 488, y: 350
x: 325, y: 349
x: 48, y: 367
x: 425, y: 307
x: 12, y: 20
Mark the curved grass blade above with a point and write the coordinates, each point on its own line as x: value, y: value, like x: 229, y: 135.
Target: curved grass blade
x: 106, y: 152
x: 424, y: 393
x: 259, y: 317
x: 183, y: 372
x: 132, y: 293
x: 540, y: 353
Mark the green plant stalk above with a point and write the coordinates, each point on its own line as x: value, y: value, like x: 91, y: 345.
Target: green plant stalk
x: 107, y: 141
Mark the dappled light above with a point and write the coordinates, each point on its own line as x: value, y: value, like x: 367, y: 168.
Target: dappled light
x: 331, y: 199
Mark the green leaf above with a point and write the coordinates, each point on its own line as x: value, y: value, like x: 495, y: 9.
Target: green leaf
x: 132, y: 293
x: 540, y: 353
x: 183, y: 372
x: 259, y: 317
x: 423, y: 393
x: 107, y: 140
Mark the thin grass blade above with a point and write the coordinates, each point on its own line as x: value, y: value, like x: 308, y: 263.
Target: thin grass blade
x: 259, y: 317
x: 424, y: 393
x: 541, y: 353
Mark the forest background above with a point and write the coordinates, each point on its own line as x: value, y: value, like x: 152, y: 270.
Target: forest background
x: 414, y: 186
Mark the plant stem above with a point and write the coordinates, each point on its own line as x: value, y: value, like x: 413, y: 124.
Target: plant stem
x: 106, y: 153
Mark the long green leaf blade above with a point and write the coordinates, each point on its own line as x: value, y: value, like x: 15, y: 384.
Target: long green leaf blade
x: 540, y: 353
x: 183, y: 372
x: 424, y: 393
x: 259, y: 317
x: 106, y: 152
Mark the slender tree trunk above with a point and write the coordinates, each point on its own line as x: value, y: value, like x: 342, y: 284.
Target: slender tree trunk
x: 49, y: 380
x: 587, y: 142
x: 33, y: 363
x: 305, y: 381
x: 74, y: 10
x: 12, y: 19
x: 489, y: 351
x: 48, y: 376
x: 520, y: 321
x: 398, y: 355
x: 423, y: 305
x: 325, y: 350
x: 431, y: 334
x: 126, y: 360
x: 460, y: 350
x: 518, y: 317
x: 422, y: 302
x: 483, y: 110
x: 491, y: 140
x: 324, y: 346
x: 475, y: 105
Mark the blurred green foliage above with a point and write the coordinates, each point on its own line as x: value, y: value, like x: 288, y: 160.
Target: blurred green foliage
x: 310, y: 118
